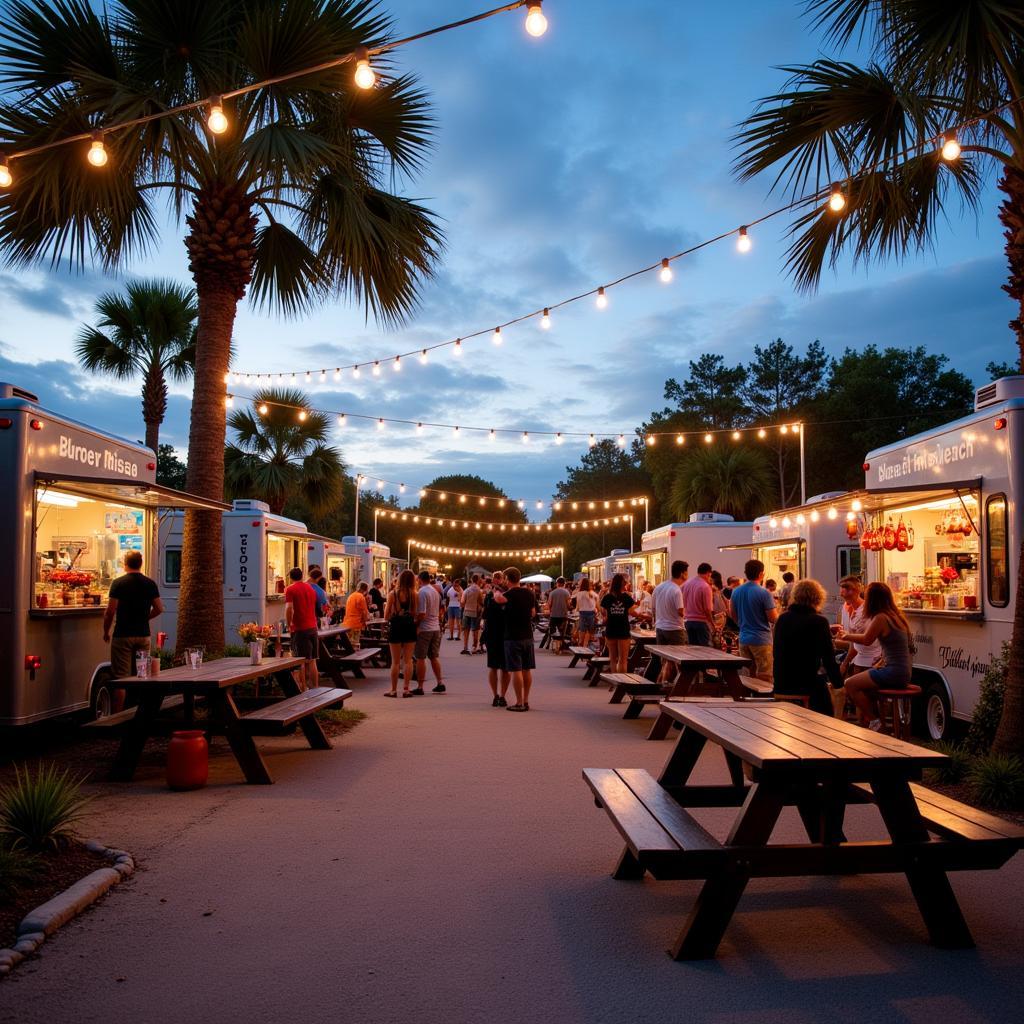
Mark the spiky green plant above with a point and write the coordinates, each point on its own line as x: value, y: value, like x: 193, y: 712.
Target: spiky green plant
x: 998, y: 780
x: 39, y: 811
x: 955, y: 769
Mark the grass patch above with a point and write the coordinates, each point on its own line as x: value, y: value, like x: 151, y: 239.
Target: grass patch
x: 955, y: 769
x: 347, y: 718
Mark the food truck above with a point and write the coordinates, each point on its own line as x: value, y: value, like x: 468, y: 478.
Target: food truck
x: 340, y: 568
x: 373, y: 560
x: 75, y: 500
x: 806, y: 542
x: 601, y: 569
x: 705, y: 537
x: 259, y: 550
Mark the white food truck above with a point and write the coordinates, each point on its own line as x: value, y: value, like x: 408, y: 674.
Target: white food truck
x: 373, y: 560
x: 705, y: 537
x: 75, y: 500
x: 259, y: 550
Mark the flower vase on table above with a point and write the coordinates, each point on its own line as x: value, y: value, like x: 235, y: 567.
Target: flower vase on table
x: 256, y: 637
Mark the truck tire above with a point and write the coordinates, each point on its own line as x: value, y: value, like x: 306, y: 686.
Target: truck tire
x: 101, y: 699
x: 937, y: 716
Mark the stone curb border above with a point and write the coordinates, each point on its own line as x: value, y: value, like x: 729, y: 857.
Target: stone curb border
x: 46, y: 919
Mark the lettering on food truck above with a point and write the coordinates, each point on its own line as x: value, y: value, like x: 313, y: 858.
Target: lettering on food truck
x: 243, y: 565
x: 957, y: 657
x: 97, y: 458
x: 923, y: 459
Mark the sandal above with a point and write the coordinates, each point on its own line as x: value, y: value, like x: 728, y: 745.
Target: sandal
x: 390, y: 693
x: 517, y: 707
x: 406, y: 693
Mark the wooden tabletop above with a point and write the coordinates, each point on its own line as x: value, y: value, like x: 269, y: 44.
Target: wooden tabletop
x: 787, y: 735
x: 222, y: 672
x: 322, y: 632
x: 643, y: 634
x: 693, y: 654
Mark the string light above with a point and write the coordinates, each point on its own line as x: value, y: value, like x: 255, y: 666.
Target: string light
x: 536, y: 23
x: 217, y: 120
x: 833, y: 514
x: 302, y: 415
x: 496, y: 336
x: 458, y: 347
x: 355, y: 371
x: 229, y: 402
x: 665, y: 274
x: 545, y: 320
x: 559, y: 439
x: 548, y: 552
x: 97, y: 151
x: 950, y: 148
x: 591, y: 441
x: 365, y: 77
x: 341, y: 420
x: 736, y: 435
x: 380, y: 423
x: 397, y: 364
x: 423, y: 357
x: 443, y: 522
x: 602, y: 300
x: 376, y: 368
x: 743, y: 243
x: 6, y: 178
x: 680, y: 439
x: 264, y: 409
x: 708, y: 438
x: 836, y: 201
x: 621, y: 441
x: 650, y: 440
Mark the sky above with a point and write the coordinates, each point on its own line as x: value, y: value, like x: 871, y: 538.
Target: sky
x: 559, y: 164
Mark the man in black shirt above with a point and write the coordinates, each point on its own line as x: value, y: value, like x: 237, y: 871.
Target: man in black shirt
x: 133, y: 601
x: 375, y: 599
x: 520, y: 607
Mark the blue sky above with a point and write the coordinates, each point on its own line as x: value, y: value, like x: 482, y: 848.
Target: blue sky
x: 562, y: 163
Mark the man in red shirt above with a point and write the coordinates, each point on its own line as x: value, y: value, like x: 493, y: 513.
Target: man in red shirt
x: 300, y: 616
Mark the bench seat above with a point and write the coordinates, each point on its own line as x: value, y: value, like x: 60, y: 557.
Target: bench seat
x: 661, y: 837
x: 354, y: 662
x: 275, y: 719
x: 755, y: 685
x: 594, y: 666
x: 640, y: 691
x: 579, y: 654
x: 175, y: 700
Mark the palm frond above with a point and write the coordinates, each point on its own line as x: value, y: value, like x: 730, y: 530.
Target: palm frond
x: 287, y: 275
x: 101, y: 354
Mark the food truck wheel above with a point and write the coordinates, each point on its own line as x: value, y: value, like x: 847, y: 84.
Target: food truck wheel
x: 938, y: 715
x: 102, y: 700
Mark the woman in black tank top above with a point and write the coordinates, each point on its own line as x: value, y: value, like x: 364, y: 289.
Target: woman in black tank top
x: 400, y: 614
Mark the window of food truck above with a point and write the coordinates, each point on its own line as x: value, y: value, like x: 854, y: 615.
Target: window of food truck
x: 785, y: 556
x: 172, y: 566
x: 997, y: 552
x: 849, y: 561
x: 929, y: 552
x: 338, y: 575
x: 284, y: 553
x: 79, y: 547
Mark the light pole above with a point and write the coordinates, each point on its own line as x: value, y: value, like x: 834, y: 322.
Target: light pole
x: 359, y: 483
x: 408, y: 554
x: 803, y: 482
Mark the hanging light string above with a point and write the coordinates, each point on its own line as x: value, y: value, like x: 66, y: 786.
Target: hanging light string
x: 530, y: 553
x: 217, y: 120
x: 834, y: 195
x: 500, y: 501
x: 264, y: 405
x: 445, y: 523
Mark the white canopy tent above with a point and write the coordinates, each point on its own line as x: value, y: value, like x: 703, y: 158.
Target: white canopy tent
x: 537, y: 577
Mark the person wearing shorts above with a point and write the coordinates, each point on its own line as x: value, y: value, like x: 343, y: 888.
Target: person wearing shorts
x: 754, y: 609
x: 520, y: 608
x: 472, y: 605
x: 493, y: 635
x: 428, y: 635
x: 300, y: 616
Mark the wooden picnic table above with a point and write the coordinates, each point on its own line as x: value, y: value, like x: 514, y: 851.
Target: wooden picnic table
x: 795, y: 757
x: 692, y: 659
x: 214, y: 681
x: 642, y: 640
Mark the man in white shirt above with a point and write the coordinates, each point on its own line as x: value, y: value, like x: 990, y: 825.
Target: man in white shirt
x: 428, y: 635
x: 472, y: 606
x: 669, y: 629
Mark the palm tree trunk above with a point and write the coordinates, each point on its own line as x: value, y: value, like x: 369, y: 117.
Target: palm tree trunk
x: 1010, y: 734
x: 220, y: 258
x: 154, y: 403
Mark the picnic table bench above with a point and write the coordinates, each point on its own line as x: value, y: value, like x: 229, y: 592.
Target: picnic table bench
x: 579, y: 654
x: 594, y: 665
x: 794, y: 757
x: 214, y: 680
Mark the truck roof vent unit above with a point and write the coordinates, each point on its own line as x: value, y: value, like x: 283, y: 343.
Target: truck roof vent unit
x: 710, y: 517
x: 13, y: 391
x: 999, y: 391
x: 249, y: 505
x: 825, y: 496
x: 353, y: 540
x: 619, y: 551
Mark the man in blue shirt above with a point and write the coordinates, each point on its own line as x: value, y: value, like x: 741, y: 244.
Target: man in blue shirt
x: 754, y: 609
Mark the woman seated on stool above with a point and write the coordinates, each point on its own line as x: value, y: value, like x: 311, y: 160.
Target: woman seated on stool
x: 803, y: 647
x: 886, y: 624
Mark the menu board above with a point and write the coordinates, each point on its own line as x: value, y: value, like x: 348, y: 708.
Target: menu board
x: 126, y: 520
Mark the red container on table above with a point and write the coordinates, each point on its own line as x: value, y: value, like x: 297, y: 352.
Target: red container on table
x: 188, y: 761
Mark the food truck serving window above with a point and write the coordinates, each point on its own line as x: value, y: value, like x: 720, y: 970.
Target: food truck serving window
x: 784, y: 556
x: 79, y: 547
x: 283, y: 554
x: 929, y: 552
x: 997, y: 552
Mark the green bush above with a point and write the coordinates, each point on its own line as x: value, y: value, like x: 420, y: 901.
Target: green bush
x: 998, y: 780
x: 955, y: 769
x: 17, y: 868
x: 989, y: 708
x: 41, y: 810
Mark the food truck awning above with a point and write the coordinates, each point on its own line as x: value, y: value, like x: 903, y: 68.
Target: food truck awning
x: 126, y: 492
x: 873, y: 501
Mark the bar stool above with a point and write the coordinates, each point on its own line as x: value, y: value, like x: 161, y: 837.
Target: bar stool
x: 897, y: 704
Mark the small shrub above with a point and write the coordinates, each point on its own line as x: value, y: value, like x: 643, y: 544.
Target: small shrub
x: 234, y: 651
x: 998, y: 780
x: 40, y: 811
x: 955, y: 769
x: 989, y: 708
x: 17, y: 868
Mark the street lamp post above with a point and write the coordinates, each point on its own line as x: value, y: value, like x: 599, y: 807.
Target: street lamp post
x: 359, y: 482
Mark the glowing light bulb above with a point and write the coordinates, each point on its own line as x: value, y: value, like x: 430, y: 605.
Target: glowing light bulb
x: 264, y: 409
x: 591, y: 441
x: 455, y: 431
x: 492, y: 436
x: 423, y: 357
x: 557, y: 506
x: 97, y: 151
x: 397, y: 364
x: 743, y: 243
x: 833, y: 514
x: 536, y: 23
x: 302, y: 415
x: 526, y: 437
x: 950, y: 149
x: 342, y: 420
x: 800, y: 520
x: 815, y: 515
x: 836, y: 201
x: 850, y: 517
x: 622, y: 440
x: 376, y: 368
x: 783, y: 429
x: 496, y: 336
x: 380, y: 486
x: 665, y: 274
x: 462, y: 499
x: 856, y: 505
x: 443, y: 496
x: 217, y: 120
x: 651, y: 440
x: 380, y: 423
x: 762, y: 433
x: 540, y: 504
x: 735, y: 435
x: 787, y: 522
x: 419, y: 430
x: 545, y: 320
x: 501, y: 503
x: 337, y: 373
x: 423, y: 494
x: 795, y: 428
x: 309, y: 376
x: 364, y: 76
x: 457, y: 347
x: 482, y: 502
x: 6, y: 179
x: 229, y: 402
x: 355, y: 371
x: 773, y: 523
x: 602, y: 300
x: 708, y: 438
x: 559, y: 439
x: 323, y: 376
x: 227, y: 377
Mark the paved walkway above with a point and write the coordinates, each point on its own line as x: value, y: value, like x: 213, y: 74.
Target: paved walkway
x: 445, y: 863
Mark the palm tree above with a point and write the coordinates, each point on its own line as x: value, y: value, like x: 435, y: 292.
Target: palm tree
x: 281, y: 454
x: 150, y: 333
x: 734, y: 481
x: 296, y: 199
x: 934, y: 64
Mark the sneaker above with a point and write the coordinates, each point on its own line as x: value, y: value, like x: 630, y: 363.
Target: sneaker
x: 502, y: 703
x: 875, y: 725
x: 439, y: 688
x: 496, y: 703
x: 465, y: 650
x: 418, y: 692
x: 516, y: 707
